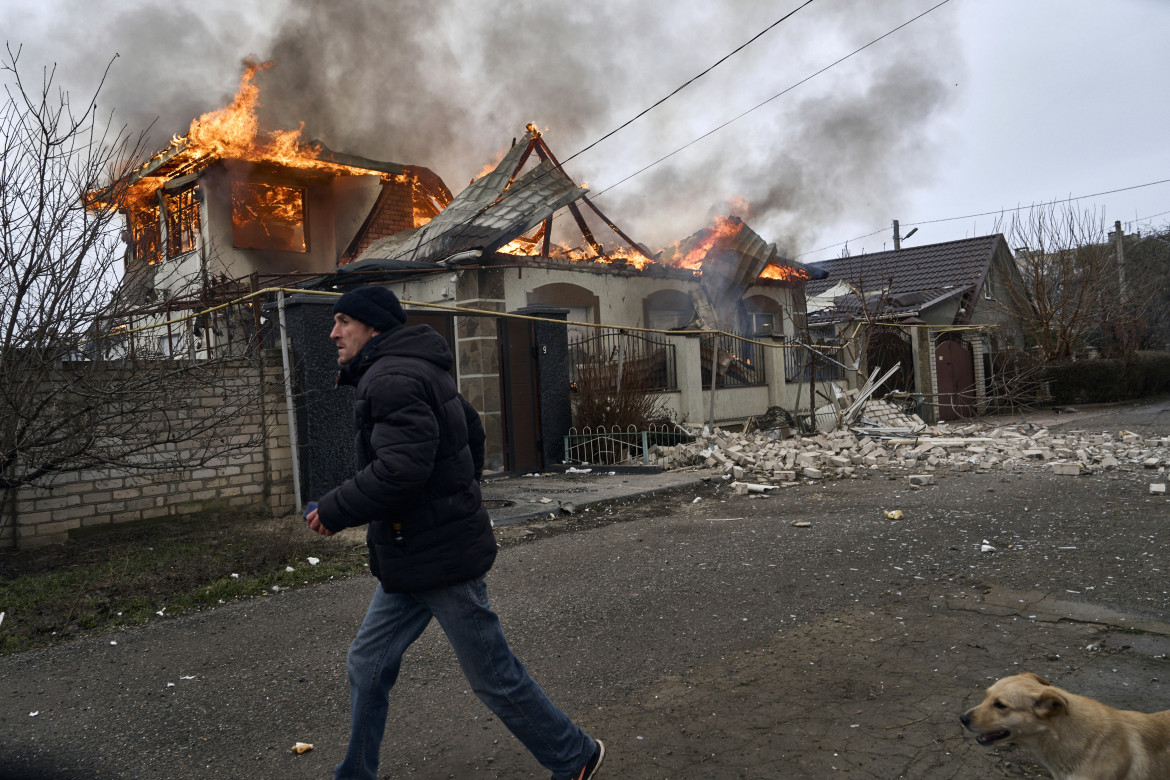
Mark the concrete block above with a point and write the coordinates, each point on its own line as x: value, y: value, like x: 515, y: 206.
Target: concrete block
x: 812, y: 473
x: 921, y: 479
x: 1158, y: 488
x: 1066, y: 469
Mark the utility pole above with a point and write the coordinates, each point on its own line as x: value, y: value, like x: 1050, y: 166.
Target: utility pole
x: 1119, y: 238
x: 897, y: 237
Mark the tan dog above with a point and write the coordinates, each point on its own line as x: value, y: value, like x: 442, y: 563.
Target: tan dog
x: 1077, y: 738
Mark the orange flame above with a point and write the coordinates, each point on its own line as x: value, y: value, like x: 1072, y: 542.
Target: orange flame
x: 233, y: 132
x: 489, y: 167
x: 724, y: 228
x: 784, y: 273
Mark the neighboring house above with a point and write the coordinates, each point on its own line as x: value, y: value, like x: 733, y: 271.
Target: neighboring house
x: 942, y: 309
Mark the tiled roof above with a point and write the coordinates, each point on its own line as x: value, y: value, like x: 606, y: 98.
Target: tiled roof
x: 932, y: 267
x: 898, y: 307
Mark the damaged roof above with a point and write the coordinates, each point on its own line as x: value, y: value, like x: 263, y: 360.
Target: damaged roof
x: 182, y: 158
x: 491, y: 212
x: 898, y: 307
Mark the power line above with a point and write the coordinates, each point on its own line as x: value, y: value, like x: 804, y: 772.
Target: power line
x: 994, y: 213
x: 1152, y: 216
x: 511, y: 192
x: 629, y: 122
x: 719, y: 62
x: 769, y: 100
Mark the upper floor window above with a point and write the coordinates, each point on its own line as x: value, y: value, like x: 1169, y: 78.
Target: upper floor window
x: 764, y: 315
x: 182, y: 222
x: 268, y: 216
x: 145, y: 235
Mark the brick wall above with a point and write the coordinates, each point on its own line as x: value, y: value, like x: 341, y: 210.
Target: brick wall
x: 393, y: 211
x: 259, y: 475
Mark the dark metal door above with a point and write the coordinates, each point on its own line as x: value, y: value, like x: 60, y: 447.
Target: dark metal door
x: 956, y: 380
x: 521, y: 396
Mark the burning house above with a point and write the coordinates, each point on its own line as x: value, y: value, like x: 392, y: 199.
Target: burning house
x: 631, y: 314
x: 229, y: 204
x: 230, y: 208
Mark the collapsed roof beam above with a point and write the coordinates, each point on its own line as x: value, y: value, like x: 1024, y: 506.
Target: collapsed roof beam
x: 545, y: 153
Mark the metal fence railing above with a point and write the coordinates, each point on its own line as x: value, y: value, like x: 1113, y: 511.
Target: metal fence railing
x: 615, y: 446
x: 740, y: 361
x: 189, y: 329
x: 801, y: 360
x: 615, y: 357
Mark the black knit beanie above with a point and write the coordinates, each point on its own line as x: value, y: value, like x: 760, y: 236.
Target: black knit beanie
x: 376, y: 306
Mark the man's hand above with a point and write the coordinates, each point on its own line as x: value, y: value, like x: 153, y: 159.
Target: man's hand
x: 315, y: 523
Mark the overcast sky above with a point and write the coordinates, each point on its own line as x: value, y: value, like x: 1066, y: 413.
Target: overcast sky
x: 978, y: 106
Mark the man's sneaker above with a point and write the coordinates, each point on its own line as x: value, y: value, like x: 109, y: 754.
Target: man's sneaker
x: 589, y: 771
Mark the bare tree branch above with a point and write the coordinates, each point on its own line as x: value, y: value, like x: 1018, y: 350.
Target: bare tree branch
x: 79, y: 389
x: 1068, y: 266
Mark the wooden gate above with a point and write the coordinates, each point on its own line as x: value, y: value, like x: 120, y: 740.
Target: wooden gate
x: 956, y: 380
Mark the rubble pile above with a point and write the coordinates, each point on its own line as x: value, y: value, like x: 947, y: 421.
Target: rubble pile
x: 766, y: 458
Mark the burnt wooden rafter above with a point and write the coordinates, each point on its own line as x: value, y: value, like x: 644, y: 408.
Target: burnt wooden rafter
x: 538, y: 145
x: 544, y: 153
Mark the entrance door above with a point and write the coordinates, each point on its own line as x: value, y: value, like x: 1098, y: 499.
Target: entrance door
x: 521, y: 396
x: 956, y: 380
x: 887, y: 347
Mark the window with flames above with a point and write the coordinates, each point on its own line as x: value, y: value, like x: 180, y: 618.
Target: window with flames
x: 145, y: 236
x: 268, y: 216
x: 182, y: 222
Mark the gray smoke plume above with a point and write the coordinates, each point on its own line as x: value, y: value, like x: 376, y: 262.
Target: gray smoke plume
x: 448, y: 84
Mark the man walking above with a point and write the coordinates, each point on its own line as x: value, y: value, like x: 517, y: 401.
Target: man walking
x: 429, y: 538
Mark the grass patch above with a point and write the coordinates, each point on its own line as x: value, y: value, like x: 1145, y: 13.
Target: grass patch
x: 126, y: 576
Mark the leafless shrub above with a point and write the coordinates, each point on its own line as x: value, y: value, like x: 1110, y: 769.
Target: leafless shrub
x: 604, y: 397
x: 1017, y: 382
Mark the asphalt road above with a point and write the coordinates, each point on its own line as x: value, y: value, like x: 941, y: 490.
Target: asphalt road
x: 699, y: 633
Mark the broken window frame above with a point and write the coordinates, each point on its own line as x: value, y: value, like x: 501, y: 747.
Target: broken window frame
x: 183, y: 221
x: 769, y: 318
x: 145, y: 232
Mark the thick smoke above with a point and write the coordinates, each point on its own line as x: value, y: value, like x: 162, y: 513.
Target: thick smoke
x: 449, y: 84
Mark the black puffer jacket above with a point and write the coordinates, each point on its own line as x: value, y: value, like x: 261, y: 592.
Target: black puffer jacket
x: 415, y: 485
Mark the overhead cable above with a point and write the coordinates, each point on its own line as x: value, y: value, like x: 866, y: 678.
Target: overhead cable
x: 719, y: 62
x: 769, y: 100
x: 995, y: 213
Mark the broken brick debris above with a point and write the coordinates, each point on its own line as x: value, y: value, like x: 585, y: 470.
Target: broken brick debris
x: 771, y: 458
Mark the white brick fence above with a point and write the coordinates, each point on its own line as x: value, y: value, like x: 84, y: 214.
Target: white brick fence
x: 259, y: 474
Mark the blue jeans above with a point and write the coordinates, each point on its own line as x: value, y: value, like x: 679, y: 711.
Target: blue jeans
x: 395, y: 620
